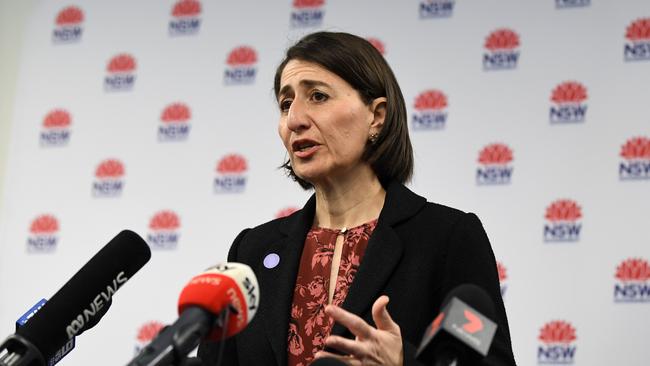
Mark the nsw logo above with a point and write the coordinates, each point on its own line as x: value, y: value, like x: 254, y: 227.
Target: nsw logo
x: 378, y: 44
x: 42, y: 236
x: 185, y: 18
x: 286, y: 212
x: 436, y: 8
x: 563, y: 221
x: 121, y: 73
x: 633, y: 281
x: 69, y: 25
x: 636, y: 163
x: 501, y: 50
x: 231, y: 174
x: 557, y: 343
x: 568, y: 103
x: 109, y: 178
x: 637, y: 47
x: 563, y: 4
x: 430, y: 111
x: 240, y: 67
x: 495, y: 165
x: 146, y: 333
x: 503, y: 277
x: 163, y: 232
x: 307, y: 13
x: 56, y: 128
x: 174, y: 125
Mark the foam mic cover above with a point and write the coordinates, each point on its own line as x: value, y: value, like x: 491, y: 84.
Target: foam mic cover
x: 230, y: 284
x: 82, y: 300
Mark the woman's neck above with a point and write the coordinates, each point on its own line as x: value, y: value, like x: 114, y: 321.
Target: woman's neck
x: 349, y: 203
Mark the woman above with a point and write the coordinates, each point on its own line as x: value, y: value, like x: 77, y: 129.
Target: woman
x: 327, y: 272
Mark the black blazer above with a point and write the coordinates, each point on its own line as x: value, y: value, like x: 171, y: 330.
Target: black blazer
x: 418, y: 252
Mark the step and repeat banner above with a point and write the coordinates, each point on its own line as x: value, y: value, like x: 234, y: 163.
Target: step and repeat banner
x: 159, y: 117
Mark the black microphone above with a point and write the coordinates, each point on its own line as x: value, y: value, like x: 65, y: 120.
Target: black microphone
x: 327, y: 361
x: 216, y: 304
x: 463, y: 331
x: 78, y: 305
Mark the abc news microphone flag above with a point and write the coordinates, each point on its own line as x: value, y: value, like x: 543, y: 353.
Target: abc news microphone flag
x: 159, y: 117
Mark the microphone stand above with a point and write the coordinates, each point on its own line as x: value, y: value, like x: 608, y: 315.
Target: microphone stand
x: 18, y: 351
x: 173, y: 343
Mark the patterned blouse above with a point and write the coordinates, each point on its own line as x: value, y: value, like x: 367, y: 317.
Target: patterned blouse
x: 308, y: 325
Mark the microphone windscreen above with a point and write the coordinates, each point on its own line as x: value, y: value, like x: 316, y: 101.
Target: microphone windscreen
x: 76, y: 306
x: 221, y: 286
x: 474, y: 296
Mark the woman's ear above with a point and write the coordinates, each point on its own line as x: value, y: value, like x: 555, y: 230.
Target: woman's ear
x: 378, y: 109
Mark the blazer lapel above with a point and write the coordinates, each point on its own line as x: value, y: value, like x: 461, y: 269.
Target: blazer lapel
x: 279, y: 282
x: 383, y: 253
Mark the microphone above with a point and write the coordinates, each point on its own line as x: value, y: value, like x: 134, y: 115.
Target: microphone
x: 327, y: 361
x: 77, y: 306
x: 216, y: 304
x: 463, y: 331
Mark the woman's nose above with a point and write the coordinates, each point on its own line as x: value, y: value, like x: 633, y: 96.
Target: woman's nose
x: 297, y: 118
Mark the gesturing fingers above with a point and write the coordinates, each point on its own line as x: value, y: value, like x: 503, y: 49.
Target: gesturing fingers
x: 382, y: 318
x: 355, y: 324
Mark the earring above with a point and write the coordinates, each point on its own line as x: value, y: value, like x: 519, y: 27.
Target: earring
x: 373, y: 138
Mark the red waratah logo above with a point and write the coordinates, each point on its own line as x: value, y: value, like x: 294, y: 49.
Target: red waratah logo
x: 563, y: 210
x: 639, y: 30
x: 174, y: 122
x: 186, y: 8
x: 307, y: 13
x: 242, y: 56
x: 71, y: 15
x: 503, y: 274
x: 568, y: 99
x: 44, y: 225
x: 633, y: 269
x: 378, y: 44
x: 230, y: 174
x: 121, y: 63
x: 430, y: 110
x: 68, y: 26
x: 148, y: 331
x: 569, y: 92
x: 638, y: 36
x: 502, y: 39
x: 164, y: 225
x: 57, y: 118
x: 164, y: 220
x: 494, y: 165
x: 300, y: 4
x: 110, y: 169
x: 176, y: 113
x: 557, y: 331
x: 286, y: 212
x: 636, y: 148
x: 431, y: 100
x: 501, y: 46
x: 232, y: 164
x: 495, y: 154
x: 636, y: 152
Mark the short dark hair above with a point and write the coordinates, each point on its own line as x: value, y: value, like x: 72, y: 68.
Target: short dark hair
x: 358, y: 62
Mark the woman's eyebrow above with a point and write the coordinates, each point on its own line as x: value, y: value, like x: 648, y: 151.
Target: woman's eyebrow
x: 305, y: 83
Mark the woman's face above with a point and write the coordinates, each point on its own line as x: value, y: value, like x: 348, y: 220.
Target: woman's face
x: 324, y: 124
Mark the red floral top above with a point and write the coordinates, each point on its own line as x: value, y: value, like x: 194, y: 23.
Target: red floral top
x: 308, y: 325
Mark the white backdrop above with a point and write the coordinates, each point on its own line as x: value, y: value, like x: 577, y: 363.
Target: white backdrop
x: 186, y: 121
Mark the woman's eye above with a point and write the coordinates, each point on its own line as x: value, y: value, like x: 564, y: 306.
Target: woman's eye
x: 319, y: 97
x: 285, y: 104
